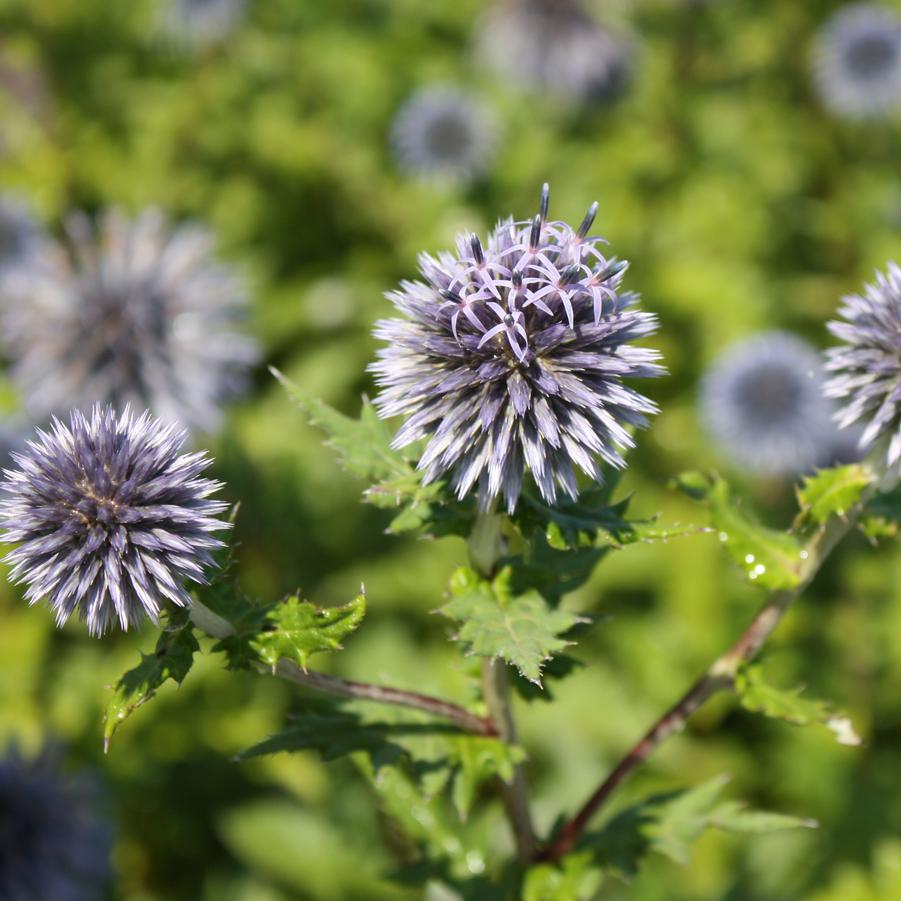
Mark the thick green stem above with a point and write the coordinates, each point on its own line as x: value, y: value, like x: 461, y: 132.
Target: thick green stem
x: 486, y: 546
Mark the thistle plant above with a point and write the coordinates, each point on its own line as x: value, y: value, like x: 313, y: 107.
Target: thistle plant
x: 510, y: 372
x: 128, y: 312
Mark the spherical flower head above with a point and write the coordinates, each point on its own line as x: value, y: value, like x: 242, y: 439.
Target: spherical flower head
x: 762, y: 401
x: 20, y: 234
x: 53, y: 842
x: 857, y: 61
x: 202, y: 23
x: 444, y: 133
x: 865, y: 370
x: 511, y: 358
x: 554, y: 46
x: 131, y: 312
x: 110, y: 519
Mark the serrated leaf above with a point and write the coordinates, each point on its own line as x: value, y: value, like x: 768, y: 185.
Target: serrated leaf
x: 758, y: 696
x: 671, y: 822
x: 768, y: 558
x: 475, y: 760
x: 592, y: 521
x: 832, y: 492
x: 172, y: 659
x: 296, y: 629
x: 520, y: 629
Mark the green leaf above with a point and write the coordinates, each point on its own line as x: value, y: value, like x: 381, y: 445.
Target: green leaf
x: 575, y: 879
x: 476, y: 760
x: 592, y: 520
x: 336, y: 733
x: 882, y: 515
x: 671, y: 822
x: 364, y: 448
x: 832, y: 492
x: 172, y: 659
x: 295, y: 630
x: 519, y: 628
x: 758, y: 696
x: 769, y: 558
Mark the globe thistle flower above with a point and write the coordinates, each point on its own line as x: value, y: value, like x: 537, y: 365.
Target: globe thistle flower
x: 110, y: 518
x: 554, y: 46
x: 762, y: 401
x: 445, y: 133
x: 128, y: 313
x: 857, y: 61
x: 510, y: 359
x: 53, y: 842
x: 20, y: 234
x: 202, y: 23
x: 865, y: 371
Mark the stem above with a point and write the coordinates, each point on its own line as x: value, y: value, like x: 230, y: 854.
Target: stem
x: 719, y: 675
x: 486, y: 547
x: 217, y: 627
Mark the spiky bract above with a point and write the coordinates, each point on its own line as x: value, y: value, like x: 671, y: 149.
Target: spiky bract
x: 857, y: 61
x: 110, y: 519
x: 131, y: 312
x: 554, y: 46
x: 54, y: 844
x: 762, y: 401
x: 865, y: 371
x: 511, y: 358
x: 444, y: 132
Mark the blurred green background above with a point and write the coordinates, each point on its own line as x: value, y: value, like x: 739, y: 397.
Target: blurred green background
x: 741, y: 204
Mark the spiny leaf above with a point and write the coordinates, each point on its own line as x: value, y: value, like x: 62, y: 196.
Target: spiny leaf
x: 592, y: 521
x: 669, y: 823
x: 475, y: 760
x: 832, y: 492
x: 172, y: 659
x: 296, y: 629
x: 768, y: 558
x: 521, y: 629
x: 758, y: 696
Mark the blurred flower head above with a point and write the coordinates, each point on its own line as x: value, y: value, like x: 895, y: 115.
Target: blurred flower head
x: 511, y: 358
x: 131, y: 312
x: 201, y: 23
x: 110, y: 519
x: 555, y: 46
x: 20, y: 233
x: 857, y: 61
x: 865, y: 371
x: 53, y: 842
x: 762, y: 401
x: 445, y: 133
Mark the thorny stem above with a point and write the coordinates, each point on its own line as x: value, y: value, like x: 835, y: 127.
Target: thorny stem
x: 719, y: 675
x: 217, y: 627
x: 485, y: 548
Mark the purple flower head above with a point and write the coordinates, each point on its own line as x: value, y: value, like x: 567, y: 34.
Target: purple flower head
x: 762, y: 401
x: 511, y: 358
x: 445, y: 133
x: 555, y: 46
x: 110, y: 519
x: 130, y: 312
x: 857, y: 61
x: 866, y: 369
x: 53, y: 842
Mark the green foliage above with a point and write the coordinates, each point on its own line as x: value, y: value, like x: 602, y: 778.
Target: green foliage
x: 671, y: 822
x: 758, y: 696
x: 521, y: 629
x: 882, y: 515
x: 172, y: 659
x: 767, y: 557
x: 832, y: 492
x: 576, y: 879
x: 295, y: 630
